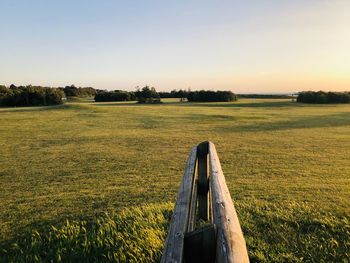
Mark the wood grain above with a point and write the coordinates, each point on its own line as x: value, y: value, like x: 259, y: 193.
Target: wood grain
x: 231, y: 246
x: 174, y: 244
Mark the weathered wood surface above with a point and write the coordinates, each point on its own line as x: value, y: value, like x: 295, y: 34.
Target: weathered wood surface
x: 193, y: 205
x: 174, y: 244
x: 222, y: 240
x: 231, y: 246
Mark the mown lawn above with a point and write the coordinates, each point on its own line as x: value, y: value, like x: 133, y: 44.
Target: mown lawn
x: 97, y: 181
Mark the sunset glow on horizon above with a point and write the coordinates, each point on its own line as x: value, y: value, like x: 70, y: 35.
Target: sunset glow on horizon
x: 245, y: 46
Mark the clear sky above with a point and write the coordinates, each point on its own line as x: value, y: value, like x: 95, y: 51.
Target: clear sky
x: 245, y: 46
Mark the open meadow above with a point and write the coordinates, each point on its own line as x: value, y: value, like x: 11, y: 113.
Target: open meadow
x: 91, y: 181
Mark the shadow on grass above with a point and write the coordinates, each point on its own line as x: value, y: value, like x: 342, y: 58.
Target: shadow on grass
x: 65, y: 106
x: 258, y: 104
x: 130, y: 104
x: 323, y: 121
x: 33, y: 108
x: 267, y: 104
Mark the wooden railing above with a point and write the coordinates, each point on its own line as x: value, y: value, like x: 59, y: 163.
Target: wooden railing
x: 204, y: 226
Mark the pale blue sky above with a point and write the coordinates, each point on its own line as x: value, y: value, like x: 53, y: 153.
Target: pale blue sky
x: 245, y: 46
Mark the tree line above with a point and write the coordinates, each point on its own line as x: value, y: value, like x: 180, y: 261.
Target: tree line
x: 211, y: 96
x: 115, y: 95
x: 150, y: 95
x: 38, y: 96
x: 200, y: 96
x: 322, y: 97
x: 73, y: 91
x: 181, y: 93
x: 30, y: 96
x: 142, y: 95
x: 264, y: 96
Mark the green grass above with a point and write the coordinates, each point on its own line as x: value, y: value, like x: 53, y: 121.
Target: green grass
x: 133, y: 235
x: 286, y: 165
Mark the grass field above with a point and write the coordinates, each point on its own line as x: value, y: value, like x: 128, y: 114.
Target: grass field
x: 97, y: 181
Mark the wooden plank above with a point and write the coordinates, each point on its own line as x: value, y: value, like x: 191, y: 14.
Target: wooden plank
x: 193, y: 205
x: 200, y: 245
x: 231, y: 246
x: 174, y: 245
x: 203, y: 184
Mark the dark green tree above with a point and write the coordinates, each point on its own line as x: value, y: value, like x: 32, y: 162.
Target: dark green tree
x: 147, y: 95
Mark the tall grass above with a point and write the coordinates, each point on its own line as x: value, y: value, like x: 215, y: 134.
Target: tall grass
x: 280, y: 232
x: 293, y: 232
x: 133, y: 235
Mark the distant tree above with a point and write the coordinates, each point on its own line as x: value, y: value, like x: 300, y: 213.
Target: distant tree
x: 265, y: 96
x: 3, y: 93
x: 30, y: 96
x: 182, y: 94
x: 166, y: 94
x: 147, y: 95
x: 86, y: 91
x: 71, y: 91
x: 116, y: 95
x: 321, y: 97
x: 211, y: 96
x: 3, y: 89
